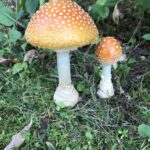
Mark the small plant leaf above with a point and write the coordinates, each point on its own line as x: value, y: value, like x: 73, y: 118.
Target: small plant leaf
x: 101, y: 2
x: 14, y: 35
x: 146, y: 36
x: 19, y: 67
x: 80, y: 87
x: 89, y: 135
x: 5, y: 51
x: 104, y: 12
x: 7, y: 16
x: 26, y: 136
x: 144, y: 130
x: 101, y: 11
x: 31, y: 6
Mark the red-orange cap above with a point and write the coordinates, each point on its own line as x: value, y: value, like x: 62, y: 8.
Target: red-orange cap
x: 109, y: 50
x: 61, y: 24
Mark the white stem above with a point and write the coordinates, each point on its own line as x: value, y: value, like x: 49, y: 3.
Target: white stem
x: 65, y: 94
x: 106, y: 89
x: 63, y: 65
x: 106, y: 71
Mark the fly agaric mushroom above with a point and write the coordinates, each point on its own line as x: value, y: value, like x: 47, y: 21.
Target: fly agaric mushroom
x: 62, y: 25
x: 108, y: 52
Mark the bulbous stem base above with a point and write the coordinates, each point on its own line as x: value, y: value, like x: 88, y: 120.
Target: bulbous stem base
x: 66, y: 96
x: 105, y: 88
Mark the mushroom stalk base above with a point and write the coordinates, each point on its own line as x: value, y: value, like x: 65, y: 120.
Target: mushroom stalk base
x: 65, y: 94
x: 105, y: 88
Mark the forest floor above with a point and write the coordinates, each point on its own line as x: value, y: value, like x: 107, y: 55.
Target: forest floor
x: 94, y: 123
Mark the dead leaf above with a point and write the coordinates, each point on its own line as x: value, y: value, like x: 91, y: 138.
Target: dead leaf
x: 116, y: 14
x: 15, y: 60
x: 121, y: 90
x: 143, y: 57
x: 50, y: 146
x: 41, y: 58
x: 4, y: 60
x: 30, y: 55
x: 17, y: 139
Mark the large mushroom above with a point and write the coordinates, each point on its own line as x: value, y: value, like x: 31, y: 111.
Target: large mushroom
x: 63, y: 26
x: 108, y: 52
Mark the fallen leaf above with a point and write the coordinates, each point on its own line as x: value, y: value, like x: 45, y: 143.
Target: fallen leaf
x: 18, y: 139
x: 4, y: 60
x: 30, y: 55
x: 116, y: 14
x: 121, y: 90
x: 8, y: 60
x: 143, y: 57
x: 50, y: 146
x: 41, y: 58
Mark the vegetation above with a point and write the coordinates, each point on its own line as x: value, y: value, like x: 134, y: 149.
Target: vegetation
x: 26, y: 89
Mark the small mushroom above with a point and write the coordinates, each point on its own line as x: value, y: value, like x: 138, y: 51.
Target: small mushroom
x: 108, y: 52
x: 63, y: 26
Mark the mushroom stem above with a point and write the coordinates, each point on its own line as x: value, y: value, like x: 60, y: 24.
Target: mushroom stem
x: 106, y: 89
x: 106, y: 71
x: 65, y: 94
x: 63, y: 65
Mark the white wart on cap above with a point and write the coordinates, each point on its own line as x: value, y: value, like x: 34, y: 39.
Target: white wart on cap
x: 61, y: 24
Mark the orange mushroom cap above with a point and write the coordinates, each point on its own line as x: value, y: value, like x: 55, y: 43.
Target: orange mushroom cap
x: 109, y: 50
x: 61, y: 24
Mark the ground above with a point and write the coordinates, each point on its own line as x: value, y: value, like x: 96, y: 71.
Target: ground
x: 94, y: 123
x: 111, y: 123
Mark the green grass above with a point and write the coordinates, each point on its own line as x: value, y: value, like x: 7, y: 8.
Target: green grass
x: 93, y: 124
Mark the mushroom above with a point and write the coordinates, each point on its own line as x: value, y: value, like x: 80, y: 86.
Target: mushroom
x: 108, y: 52
x: 63, y: 26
